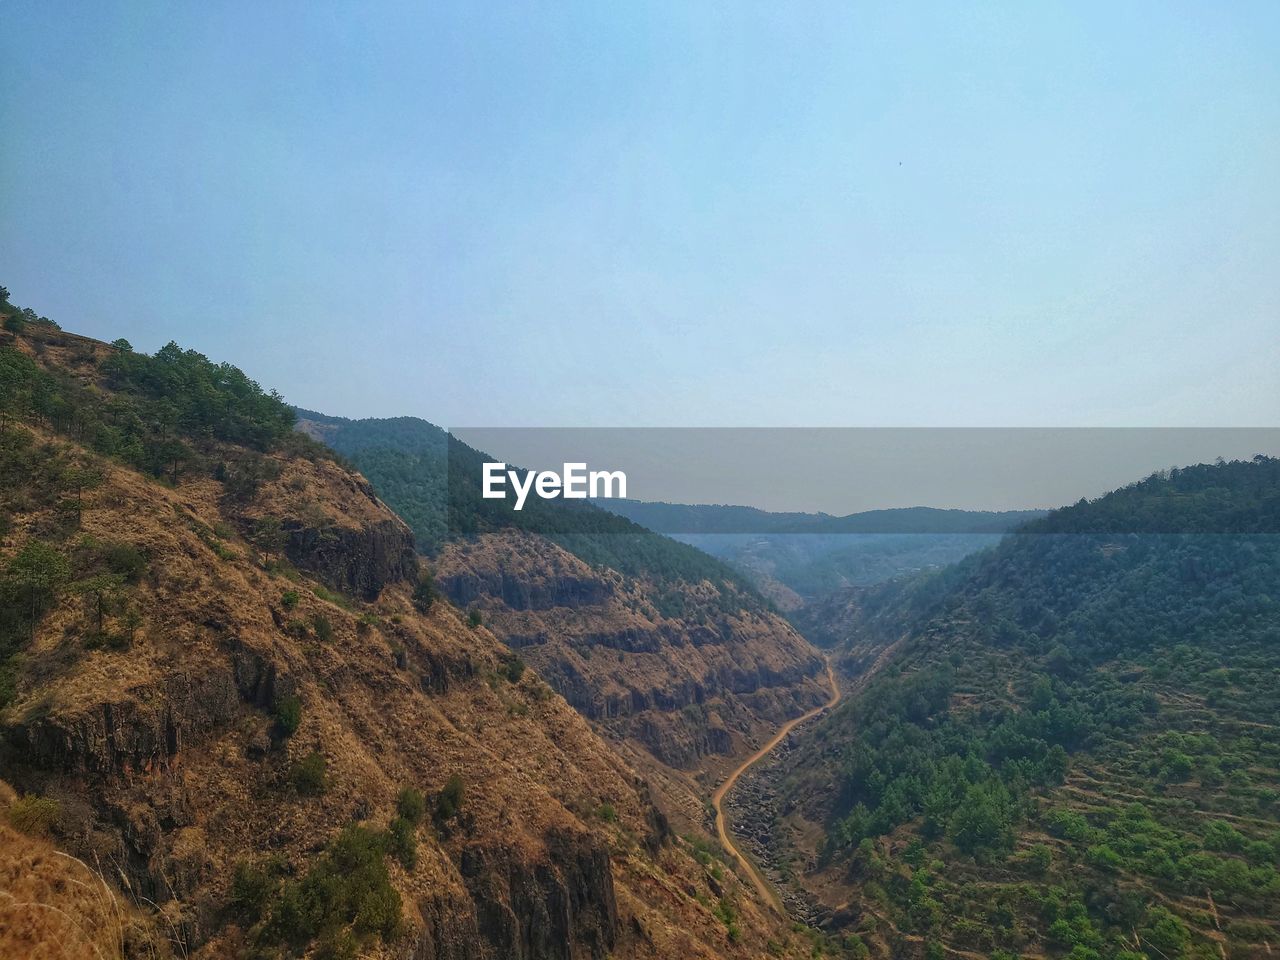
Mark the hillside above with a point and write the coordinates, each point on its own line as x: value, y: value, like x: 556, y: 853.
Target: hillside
x: 690, y: 519
x: 226, y: 694
x: 667, y: 650
x: 1074, y: 747
x: 814, y: 567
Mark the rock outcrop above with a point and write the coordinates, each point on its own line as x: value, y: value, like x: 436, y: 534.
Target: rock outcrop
x: 684, y: 686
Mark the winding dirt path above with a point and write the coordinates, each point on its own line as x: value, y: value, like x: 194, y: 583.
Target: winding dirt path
x: 722, y: 829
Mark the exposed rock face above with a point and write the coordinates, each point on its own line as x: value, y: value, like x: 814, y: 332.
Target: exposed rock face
x: 465, y: 587
x: 152, y: 722
x: 684, y: 686
x: 561, y: 910
x: 359, y: 561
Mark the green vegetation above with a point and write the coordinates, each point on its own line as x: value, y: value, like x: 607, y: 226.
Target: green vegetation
x: 164, y: 414
x: 449, y: 801
x: 309, y: 775
x: 344, y: 900
x: 402, y: 842
x: 512, y: 668
x: 411, y: 805
x: 425, y: 593
x: 34, y: 815
x: 42, y: 572
x: 288, y: 715
x: 1078, y: 748
x: 727, y: 913
x: 432, y: 480
x: 322, y: 626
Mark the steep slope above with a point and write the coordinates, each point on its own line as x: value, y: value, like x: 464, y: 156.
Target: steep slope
x: 688, y: 670
x: 224, y: 691
x: 1075, y: 749
x: 665, y: 648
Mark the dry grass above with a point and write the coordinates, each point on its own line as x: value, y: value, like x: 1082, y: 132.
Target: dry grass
x: 55, y: 906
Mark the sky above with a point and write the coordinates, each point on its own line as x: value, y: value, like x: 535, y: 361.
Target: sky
x: 659, y: 214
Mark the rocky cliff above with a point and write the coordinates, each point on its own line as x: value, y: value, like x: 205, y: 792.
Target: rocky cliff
x: 260, y: 682
x: 697, y: 681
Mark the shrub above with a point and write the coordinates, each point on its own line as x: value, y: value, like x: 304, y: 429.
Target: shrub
x: 345, y: 898
x: 322, y: 627
x: 290, y: 599
x: 1222, y: 836
x: 513, y: 668
x: 1039, y: 858
x: 402, y: 842
x: 34, y: 815
x: 411, y: 805
x: 425, y: 593
x: 288, y: 715
x: 450, y: 800
x: 474, y: 618
x: 251, y: 887
x: 309, y: 775
x: 608, y: 813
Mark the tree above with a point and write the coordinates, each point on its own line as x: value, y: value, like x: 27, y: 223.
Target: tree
x: 411, y: 805
x: 269, y: 536
x: 79, y: 479
x: 982, y: 820
x: 425, y: 593
x: 38, y: 572
x: 103, y: 592
x: 288, y: 715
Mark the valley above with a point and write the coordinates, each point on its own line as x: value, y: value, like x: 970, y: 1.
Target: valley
x: 724, y: 832
x: 646, y: 481
x: 236, y: 671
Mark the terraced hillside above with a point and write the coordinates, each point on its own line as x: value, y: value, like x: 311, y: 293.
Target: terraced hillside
x: 1076, y: 749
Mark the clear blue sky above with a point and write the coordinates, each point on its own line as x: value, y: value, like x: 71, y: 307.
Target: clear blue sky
x: 655, y: 214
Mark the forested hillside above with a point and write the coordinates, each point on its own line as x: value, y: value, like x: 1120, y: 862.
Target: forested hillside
x: 433, y: 480
x: 1076, y: 749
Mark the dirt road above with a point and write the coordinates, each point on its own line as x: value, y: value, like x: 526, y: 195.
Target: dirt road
x: 717, y: 798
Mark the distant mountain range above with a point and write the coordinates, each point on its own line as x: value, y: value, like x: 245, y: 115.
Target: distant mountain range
x: 678, y: 518
x: 799, y: 559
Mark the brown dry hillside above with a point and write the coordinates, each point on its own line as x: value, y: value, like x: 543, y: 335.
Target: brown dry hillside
x: 229, y: 684
x: 662, y: 647
x: 681, y: 695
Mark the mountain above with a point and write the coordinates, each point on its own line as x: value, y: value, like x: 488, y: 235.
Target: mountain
x: 1068, y: 745
x: 234, y: 722
x: 814, y: 566
x: 669, y: 651
x: 689, y: 519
